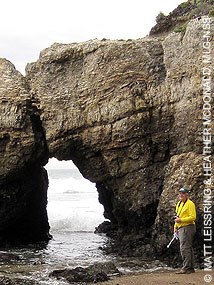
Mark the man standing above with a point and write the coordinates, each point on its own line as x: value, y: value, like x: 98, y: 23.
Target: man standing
x: 185, y: 228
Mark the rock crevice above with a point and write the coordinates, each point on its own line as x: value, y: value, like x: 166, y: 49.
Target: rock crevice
x: 23, y: 181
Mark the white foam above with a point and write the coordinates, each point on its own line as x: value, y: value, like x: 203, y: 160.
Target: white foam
x: 71, y: 185
x: 73, y: 204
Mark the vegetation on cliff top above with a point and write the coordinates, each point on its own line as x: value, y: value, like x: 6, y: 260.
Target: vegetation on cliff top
x: 178, y: 19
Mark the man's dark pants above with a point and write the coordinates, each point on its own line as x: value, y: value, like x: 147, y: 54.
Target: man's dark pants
x: 186, y: 235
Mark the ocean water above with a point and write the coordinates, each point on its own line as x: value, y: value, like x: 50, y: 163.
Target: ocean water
x: 74, y: 212
x: 72, y: 202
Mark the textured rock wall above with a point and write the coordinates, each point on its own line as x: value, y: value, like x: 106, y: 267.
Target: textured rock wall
x: 183, y: 61
x: 100, y: 96
x: 23, y: 182
x: 128, y: 113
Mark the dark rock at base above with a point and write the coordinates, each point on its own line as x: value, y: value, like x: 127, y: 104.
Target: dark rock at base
x: 107, y: 228
x: 94, y: 273
x: 16, y: 281
x: 8, y: 257
x: 138, y: 264
x: 80, y: 274
x: 108, y: 267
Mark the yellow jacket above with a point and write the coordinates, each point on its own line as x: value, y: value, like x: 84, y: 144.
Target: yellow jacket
x: 186, y: 212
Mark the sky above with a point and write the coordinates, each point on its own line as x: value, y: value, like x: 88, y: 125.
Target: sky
x: 29, y: 26
x: 53, y: 163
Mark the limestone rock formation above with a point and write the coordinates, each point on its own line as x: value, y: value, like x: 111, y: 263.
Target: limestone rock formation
x: 23, y: 151
x: 128, y: 113
x: 96, y: 93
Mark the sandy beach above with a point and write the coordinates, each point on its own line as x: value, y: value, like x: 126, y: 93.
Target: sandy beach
x: 160, y: 278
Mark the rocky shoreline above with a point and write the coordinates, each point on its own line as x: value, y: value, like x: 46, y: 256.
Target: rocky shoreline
x: 74, y: 276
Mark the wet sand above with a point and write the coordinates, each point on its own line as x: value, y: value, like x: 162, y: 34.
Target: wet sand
x: 160, y: 278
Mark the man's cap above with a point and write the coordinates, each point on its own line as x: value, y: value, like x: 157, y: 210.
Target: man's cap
x: 184, y: 190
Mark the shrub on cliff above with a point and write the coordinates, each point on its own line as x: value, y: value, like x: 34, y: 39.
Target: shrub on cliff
x: 179, y: 17
x: 160, y: 17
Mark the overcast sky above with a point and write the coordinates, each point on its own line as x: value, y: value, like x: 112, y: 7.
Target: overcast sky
x: 29, y: 26
x: 53, y: 163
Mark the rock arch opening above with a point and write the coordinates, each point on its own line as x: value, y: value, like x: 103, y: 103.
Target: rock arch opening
x: 73, y: 204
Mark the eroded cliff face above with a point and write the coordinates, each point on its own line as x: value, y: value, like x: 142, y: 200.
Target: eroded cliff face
x: 96, y: 95
x: 128, y: 113
x: 23, y: 182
